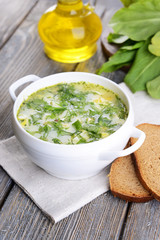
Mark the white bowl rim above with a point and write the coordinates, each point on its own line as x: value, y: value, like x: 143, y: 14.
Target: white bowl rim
x: 76, y: 146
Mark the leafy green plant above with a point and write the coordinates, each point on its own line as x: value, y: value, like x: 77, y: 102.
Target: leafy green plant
x: 137, y: 32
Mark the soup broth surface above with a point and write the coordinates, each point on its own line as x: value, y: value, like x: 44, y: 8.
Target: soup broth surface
x: 72, y: 113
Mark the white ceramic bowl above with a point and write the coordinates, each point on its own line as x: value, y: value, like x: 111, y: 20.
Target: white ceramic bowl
x: 74, y: 161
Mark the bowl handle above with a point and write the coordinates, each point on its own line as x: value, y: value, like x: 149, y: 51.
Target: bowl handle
x: 136, y: 133
x: 20, y: 82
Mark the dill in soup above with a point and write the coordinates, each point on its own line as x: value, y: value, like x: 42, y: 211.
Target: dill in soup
x: 72, y: 113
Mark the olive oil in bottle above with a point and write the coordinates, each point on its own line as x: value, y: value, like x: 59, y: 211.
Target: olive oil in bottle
x: 69, y: 31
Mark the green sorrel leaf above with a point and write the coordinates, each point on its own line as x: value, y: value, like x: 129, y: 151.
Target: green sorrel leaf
x: 139, y: 21
x: 116, y: 38
x: 153, y: 88
x: 134, y: 46
x: 119, y: 59
x: 146, y: 67
x: 154, y: 47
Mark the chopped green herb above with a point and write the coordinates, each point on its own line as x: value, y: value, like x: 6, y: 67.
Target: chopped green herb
x: 77, y: 125
x: 56, y: 140
x: 82, y: 140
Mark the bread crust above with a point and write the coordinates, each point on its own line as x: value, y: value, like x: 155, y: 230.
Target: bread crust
x: 132, y: 199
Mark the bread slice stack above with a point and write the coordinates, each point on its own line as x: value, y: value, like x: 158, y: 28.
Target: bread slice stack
x: 136, y: 178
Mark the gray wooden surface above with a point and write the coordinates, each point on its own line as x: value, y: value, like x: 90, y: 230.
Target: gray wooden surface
x: 104, y: 218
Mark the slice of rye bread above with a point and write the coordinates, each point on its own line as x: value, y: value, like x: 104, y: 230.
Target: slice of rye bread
x: 124, y: 182
x: 147, y: 159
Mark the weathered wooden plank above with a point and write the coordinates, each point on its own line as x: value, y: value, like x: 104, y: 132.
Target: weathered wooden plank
x: 5, y: 185
x: 12, y: 14
x: 97, y: 220
x: 22, y: 55
x: 143, y: 222
x: 20, y: 211
x: 101, y: 219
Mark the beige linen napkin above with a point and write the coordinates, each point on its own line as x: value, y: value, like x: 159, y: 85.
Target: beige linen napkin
x: 59, y: 198
x: 56, y: 197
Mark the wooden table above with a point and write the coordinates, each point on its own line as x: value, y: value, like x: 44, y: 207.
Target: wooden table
x: 105, y: 217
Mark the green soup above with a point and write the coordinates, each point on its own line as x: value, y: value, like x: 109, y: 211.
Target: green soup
x: 72, y: 113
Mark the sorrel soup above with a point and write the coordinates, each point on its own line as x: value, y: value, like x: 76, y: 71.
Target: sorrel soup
x: 72, y: 113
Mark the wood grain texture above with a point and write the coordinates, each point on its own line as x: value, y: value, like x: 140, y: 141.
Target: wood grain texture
x: 6, y: 184
x: 143, y: 222
x: 12, y: 14
x: 97, y: 220
x: 23, y: 217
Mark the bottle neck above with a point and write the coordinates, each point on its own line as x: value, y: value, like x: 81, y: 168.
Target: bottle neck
x: 70, y: 5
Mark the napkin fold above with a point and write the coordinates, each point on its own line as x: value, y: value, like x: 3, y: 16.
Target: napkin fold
x: 56, y: 197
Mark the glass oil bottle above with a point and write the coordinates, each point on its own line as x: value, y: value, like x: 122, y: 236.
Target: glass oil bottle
x: 70, y: 31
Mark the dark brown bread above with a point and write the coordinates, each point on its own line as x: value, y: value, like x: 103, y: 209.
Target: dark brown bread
x: 124, y: 182
x: 147, y: 159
